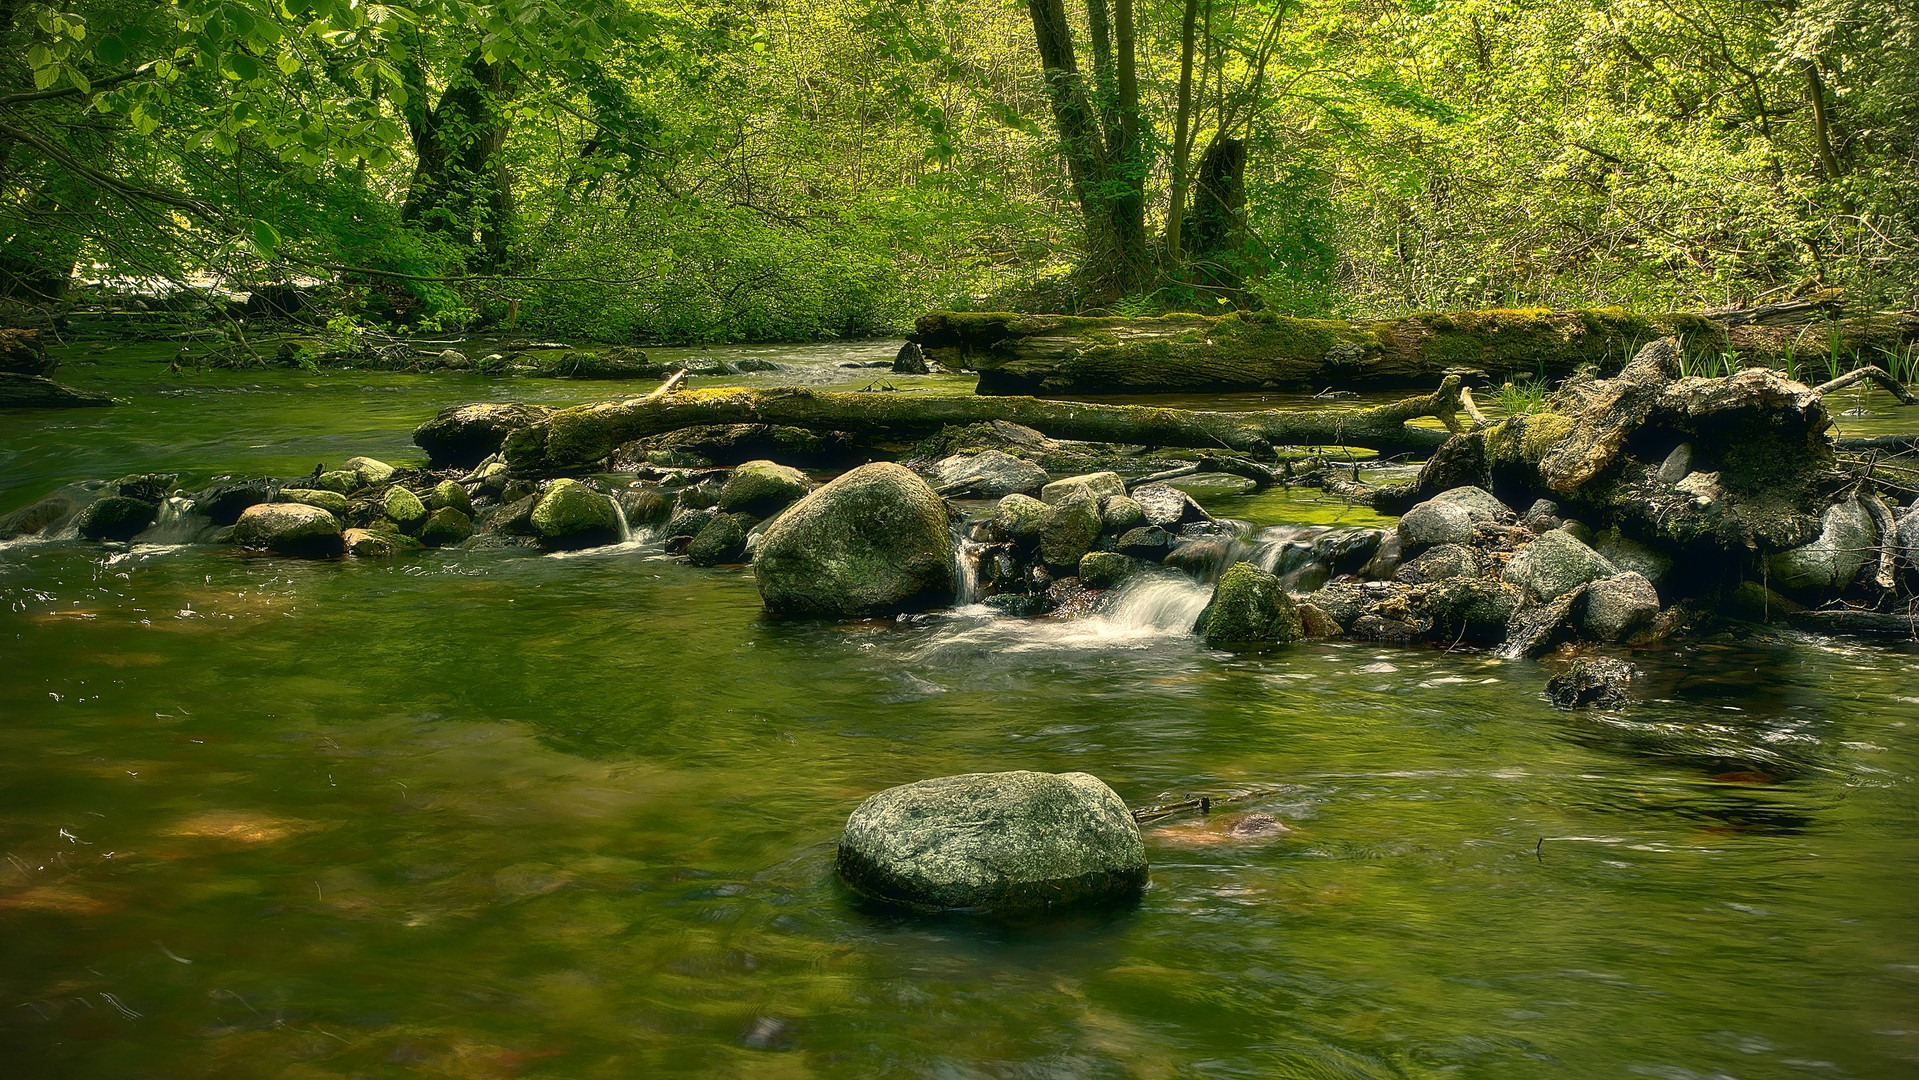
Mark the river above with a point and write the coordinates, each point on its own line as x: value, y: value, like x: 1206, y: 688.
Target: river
x: 488, y: 814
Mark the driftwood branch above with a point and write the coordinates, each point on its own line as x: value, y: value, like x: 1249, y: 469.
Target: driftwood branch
x: 576, y: 438
x: 1861, y: 374
x: 1888, y: 537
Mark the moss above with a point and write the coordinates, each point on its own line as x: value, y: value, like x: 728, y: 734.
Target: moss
x: 1543, y: 432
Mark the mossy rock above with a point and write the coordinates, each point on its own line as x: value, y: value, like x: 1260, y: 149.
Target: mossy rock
x: 1012, y: 842
x: 721, y: 540
x: 376, y: 543
x: 1250, y: 609
x: 762, y: 488
x: 344, y: 481
x: 445, y: 527
x: 1071, y: 527
x: 371, y: 471
x: 1020, y: 517
x: 404, y: 509
x: 289, y: 529
x: 449, y: 494
x: 571, y: 515
x: 331, y: 501
x: 874, y: 541
x: 116, y: 517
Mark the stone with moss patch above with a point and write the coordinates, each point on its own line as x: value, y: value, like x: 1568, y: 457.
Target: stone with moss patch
x: 571, y: 515
x: 873, y: 541
x: 1250, y: 609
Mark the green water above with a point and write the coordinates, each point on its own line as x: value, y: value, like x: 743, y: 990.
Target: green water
x: 497, y: 814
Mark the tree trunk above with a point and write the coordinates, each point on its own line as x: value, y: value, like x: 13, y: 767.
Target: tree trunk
x: 1058, y: 354
x: 572, y: 440
x: 460, y: 187
x: 1182, y: 144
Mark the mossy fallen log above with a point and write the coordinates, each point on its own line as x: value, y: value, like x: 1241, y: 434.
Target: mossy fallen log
x: 1054, y: 354
x: 575, y: 439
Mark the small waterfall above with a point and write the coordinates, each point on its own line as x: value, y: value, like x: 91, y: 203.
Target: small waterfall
x: 619, y: 512
x: 965, y: 570
x: 177, y: 524
x: 1156, y: 604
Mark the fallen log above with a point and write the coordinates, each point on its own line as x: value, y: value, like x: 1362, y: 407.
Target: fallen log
x: 1057, y: 354
x: 1870, y: 623
x: 577, y: 438
x: 34, y: 392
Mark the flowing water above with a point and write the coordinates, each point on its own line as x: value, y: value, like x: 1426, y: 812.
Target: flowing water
x: 489, y: 814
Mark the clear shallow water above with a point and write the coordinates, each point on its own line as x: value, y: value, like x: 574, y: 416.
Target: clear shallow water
x: 495, y: 814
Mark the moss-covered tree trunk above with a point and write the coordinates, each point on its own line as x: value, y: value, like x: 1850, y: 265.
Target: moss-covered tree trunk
x: 1059, y: 354
x: 571, y: 440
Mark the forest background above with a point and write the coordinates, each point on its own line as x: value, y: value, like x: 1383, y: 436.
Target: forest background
x: 642, y: 171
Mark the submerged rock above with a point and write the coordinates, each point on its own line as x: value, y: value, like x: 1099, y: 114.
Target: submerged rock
x: 1250, y: 608
x: 1011, y: 842
x: 873, y: 541
x: 571, y: 515
x: 762, y: 488
x: 1600, y: 681
x: 289, y: 529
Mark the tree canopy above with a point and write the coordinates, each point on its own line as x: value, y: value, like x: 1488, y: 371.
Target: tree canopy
x: 788, y: 169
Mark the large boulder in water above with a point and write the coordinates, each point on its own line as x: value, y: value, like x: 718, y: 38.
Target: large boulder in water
x: 1250, y: 608
x: 465, y: 434
x: 571, y: 515
x: 289, y: 529
x: 1001, y: 842
x: 1619, y: 606
x: 874, y: 541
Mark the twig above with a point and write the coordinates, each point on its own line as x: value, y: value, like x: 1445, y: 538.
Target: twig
x: 958, y: 486
x: 667, y: 387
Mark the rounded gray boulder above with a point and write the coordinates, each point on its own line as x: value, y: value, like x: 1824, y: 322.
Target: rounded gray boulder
x: 1000, y: 842
x: 289, y: 529
x: 873, y: 541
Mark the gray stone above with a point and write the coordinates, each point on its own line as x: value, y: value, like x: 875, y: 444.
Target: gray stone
x: 1166, y: 506
x: 1150, y: 542
x: 1475, y: 608
x: 1620, y: 606
x: 1004, y: 474
x: 1435, y: 522
x: 762, y: 488
x: 344, y: 481
x: 1677, y: 465
x: 289, y: 529
x: 1555, y: 564
x: 1020, y: 517
x: 1440, y: 563
x: 1070, y: 528
x: 1000, y: 842
x: 571, y: 515
x: 1908, y: 537
x: 1543, y: 516
x: 1478, y: 503
x: 1629, y: 554
x: 1847, y: 538
x: 1385, y: 561
x: 1250, y: 608
x: 873, y: 541
x: 1097, y: 485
